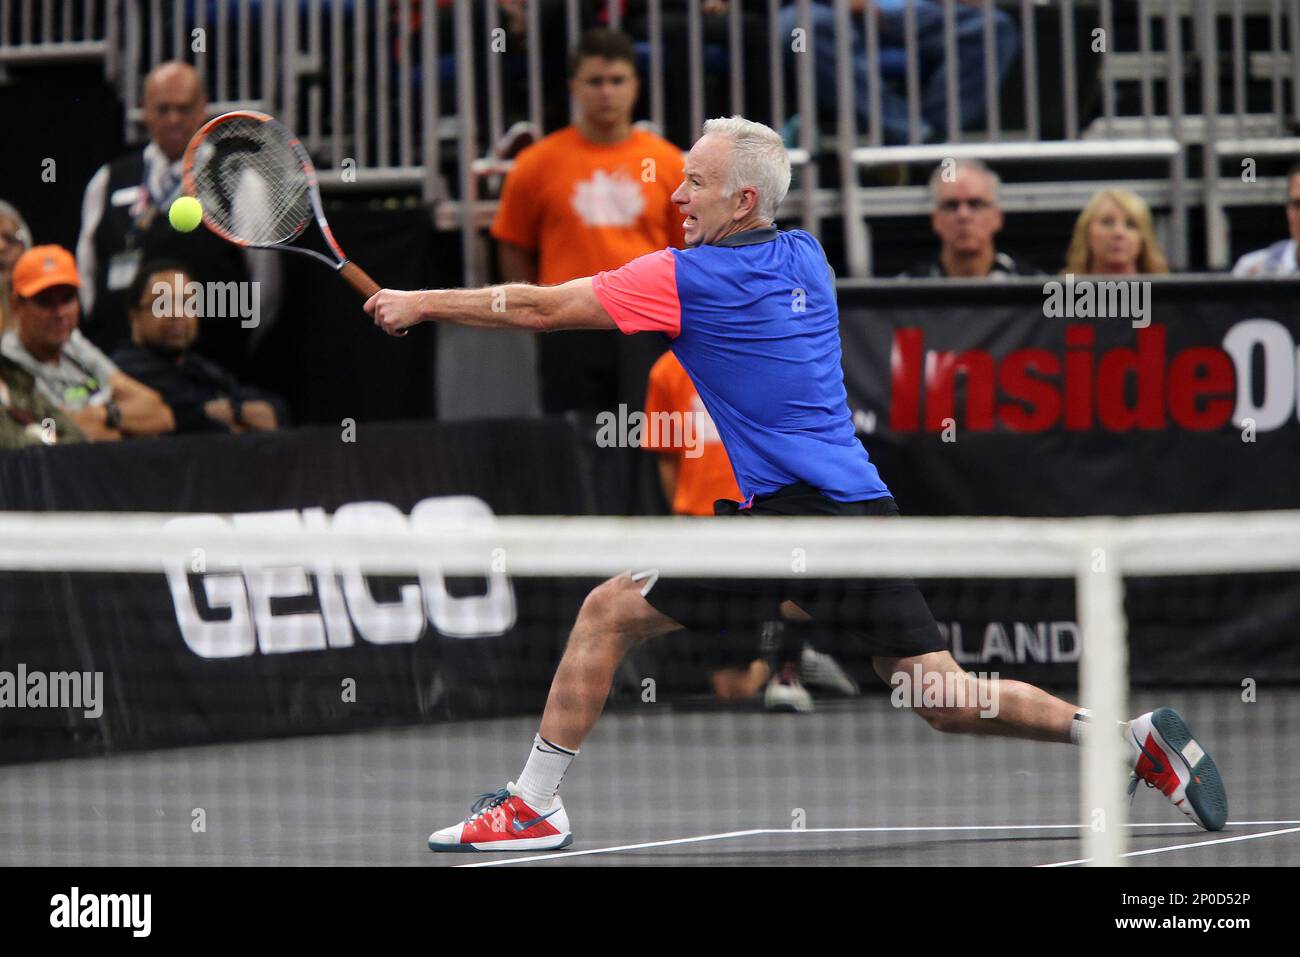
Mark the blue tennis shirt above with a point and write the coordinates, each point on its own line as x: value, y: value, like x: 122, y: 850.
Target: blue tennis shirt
x: 754, y: 322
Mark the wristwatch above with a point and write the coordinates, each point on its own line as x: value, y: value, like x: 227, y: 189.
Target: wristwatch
x: 112, y: 415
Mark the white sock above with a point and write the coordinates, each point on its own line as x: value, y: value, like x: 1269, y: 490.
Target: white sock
x: 541, y: 777
x: 1081, y: 725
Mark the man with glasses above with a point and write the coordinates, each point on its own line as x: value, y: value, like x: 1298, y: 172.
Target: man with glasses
x: 27, y: 417
x: 105, y: 403
x: 124, y: 223
x: 1283, y: 257
x: 966, y: 217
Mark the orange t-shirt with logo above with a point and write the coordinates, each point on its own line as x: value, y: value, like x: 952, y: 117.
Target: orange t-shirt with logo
x: 585, y: 207
x: 704, y: 471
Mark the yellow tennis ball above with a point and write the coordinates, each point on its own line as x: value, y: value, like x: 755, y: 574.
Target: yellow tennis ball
x: 186, y: 214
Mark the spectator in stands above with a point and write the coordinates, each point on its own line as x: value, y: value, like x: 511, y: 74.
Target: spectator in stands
x: 105, y: 403
x: 15, y: 239
x: 932, y: 66
x: 1114, y: 236
x: 590, y: 197
x: 715, y: 24
x: 124, y: 222
x: 202, y: 396
x: 26, y: 416
x: 1283, y: 257
x: 967, y: 218
x: 694, y: 473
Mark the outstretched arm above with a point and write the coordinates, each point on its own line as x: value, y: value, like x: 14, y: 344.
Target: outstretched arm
x: 570, y: 305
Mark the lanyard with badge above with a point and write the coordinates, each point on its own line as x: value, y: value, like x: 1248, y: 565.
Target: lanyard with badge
x: 90, y: 392
x: 123, y: 266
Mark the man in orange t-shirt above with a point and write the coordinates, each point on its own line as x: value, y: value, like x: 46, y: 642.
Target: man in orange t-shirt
x: 590, y: 197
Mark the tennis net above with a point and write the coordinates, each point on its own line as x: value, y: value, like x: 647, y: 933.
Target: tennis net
x: 296, y: 687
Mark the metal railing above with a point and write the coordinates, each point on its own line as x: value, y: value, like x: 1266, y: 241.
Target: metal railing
x: 1160, y: 135
x: 1239, y: 133
x: 50, y: 32
x: 412, y: 95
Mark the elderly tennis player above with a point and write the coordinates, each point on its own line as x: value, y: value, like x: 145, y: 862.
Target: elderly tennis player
x: 750, y: 312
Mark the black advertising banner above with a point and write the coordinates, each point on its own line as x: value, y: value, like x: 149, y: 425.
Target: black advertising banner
x: 203, y: 655
x: 1061, y: 397
x: 1016, y: 399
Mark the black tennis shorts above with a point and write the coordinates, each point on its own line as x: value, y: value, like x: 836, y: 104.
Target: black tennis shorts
x: 885, y: 617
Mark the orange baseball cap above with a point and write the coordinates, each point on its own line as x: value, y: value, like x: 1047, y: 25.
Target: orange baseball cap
x: 42, y: 267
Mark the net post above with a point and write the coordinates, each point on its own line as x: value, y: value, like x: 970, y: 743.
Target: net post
x: 1103, y: 689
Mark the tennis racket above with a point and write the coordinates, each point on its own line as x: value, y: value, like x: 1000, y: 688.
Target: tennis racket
x: 258, y: 188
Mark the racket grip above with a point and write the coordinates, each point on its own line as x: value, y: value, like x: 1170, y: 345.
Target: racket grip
x: 356, y: 278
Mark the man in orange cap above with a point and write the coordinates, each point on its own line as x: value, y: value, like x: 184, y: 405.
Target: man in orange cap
x: 105, y: 403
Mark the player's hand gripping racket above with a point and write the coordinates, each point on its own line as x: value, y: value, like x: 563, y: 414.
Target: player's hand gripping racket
x: 258, y: 188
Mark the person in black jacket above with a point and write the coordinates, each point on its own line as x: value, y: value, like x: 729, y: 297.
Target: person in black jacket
x: 165, y: 304
x: 124, y: 224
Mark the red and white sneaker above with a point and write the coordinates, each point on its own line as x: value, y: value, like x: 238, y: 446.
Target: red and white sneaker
x: 786, y: 693
x: 501, y: 821
x: 1169, y: 758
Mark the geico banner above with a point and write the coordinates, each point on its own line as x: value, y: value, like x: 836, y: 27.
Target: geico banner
x: 203, y: 653
x: 1003, y: 402
x: 229, y: 613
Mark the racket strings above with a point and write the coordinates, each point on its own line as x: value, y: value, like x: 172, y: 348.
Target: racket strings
x: 251, y: 182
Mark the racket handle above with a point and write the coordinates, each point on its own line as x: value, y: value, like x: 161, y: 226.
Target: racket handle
x: 356, y: 278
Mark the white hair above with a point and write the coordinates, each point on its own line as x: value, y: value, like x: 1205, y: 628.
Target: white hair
x: 947, y: 172
x: 758, y: 159
x: 23, y: 230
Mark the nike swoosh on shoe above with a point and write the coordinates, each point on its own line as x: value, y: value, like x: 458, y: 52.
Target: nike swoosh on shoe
x: 537, y: 820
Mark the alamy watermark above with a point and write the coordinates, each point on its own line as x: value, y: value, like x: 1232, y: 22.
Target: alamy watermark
x: 53, y: 689
x: 133, y: 912
x: 945, y: 689
x: 1098, y: 299
x: 656, y: 430
x: 210, y: 300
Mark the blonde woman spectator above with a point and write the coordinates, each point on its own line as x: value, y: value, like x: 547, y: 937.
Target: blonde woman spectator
x: 15, y: 239
x: 1113, y: 236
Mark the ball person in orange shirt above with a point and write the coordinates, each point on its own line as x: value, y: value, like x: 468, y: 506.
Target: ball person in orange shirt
x: 590, y: 197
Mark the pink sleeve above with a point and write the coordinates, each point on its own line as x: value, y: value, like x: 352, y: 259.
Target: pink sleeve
x: 642, y: 296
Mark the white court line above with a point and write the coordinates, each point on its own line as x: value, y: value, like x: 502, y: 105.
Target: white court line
x: 1183, y: 847
x: 611, y: 850
x: 699, y: 839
